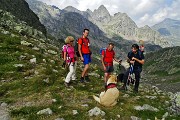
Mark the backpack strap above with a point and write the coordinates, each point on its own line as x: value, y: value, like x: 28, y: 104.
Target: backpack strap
x: 104, y: 53
x: 140, y: 54
x: 67, y: 50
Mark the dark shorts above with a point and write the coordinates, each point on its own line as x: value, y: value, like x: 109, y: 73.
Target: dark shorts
x: 87, y: 58
x: 109, y: 69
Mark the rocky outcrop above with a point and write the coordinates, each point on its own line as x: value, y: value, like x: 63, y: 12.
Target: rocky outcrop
x: 175, y: 100
x: 8, y: 21
x: 21, y: 11
x: 4, y: 114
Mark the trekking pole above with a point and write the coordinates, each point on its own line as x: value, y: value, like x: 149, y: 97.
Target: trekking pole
x: 129, y: 76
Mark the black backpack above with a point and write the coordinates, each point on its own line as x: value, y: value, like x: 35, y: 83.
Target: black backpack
x: 76, y: 48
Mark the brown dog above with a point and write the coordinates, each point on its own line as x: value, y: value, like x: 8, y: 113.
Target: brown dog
x: 109, y: 97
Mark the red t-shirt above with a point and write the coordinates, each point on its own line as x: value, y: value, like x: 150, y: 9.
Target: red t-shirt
x: 84, y: 42
x: 108, y: 56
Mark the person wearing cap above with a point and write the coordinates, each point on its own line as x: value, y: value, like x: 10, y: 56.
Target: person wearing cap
x: 135, y: 58
x: 70, y: 59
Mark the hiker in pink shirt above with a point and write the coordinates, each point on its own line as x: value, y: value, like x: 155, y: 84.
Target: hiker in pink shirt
x: 70, y: 58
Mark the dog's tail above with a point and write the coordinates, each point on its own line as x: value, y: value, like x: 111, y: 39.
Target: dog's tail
x: 96, y: 98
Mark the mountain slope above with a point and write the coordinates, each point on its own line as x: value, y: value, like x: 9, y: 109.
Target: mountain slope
x: 23, y: 13
x: 170, y: 29
x: 162, y: 68
x: 71, y: 21
x: 121, y: 24
x: 32, y: 84
x: 61, y: 23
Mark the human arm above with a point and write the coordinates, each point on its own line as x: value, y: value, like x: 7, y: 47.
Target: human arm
x: 79, y: 49
x: 139, y: 61
x: 102, y: 61
x: 119, y: 61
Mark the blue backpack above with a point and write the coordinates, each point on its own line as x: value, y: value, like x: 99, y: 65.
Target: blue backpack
x: 101, y: 50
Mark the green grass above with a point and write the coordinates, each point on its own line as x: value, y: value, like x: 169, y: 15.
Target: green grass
x: 23, y: 85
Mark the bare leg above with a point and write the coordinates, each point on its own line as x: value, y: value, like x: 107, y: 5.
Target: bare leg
x: 85, y: 70
x: 106, y: 75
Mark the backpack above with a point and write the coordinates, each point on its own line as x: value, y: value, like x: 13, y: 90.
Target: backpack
x: 76, y: 47
x: 101, y: 50
x: 62, y: 51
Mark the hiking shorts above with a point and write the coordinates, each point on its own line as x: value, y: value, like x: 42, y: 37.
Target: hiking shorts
x: 109, y: 69
x: 87, y: 58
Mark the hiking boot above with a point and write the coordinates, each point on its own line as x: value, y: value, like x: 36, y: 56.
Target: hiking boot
x: 82, y: 80
x: 87, y: 80
x: 135, y: 90
x: 66, y: 84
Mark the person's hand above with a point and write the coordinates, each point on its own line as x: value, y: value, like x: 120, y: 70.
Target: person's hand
x: 133, y: 58
x: 104, y: 68
x: 119, y: 61
x: 64, y: 64
x: 82, y: 59
x: 132, y: 61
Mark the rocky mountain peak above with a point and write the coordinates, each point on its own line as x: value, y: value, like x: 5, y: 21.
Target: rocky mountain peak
x: 55, y: 7
x: 120, y: 14
x: 101, y: 15
x: 71, y: 9
x: 89, y: 11
x: 146, y: 27
x: 102, y: 8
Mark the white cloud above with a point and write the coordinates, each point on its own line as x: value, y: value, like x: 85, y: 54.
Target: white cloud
x: 142, y: 12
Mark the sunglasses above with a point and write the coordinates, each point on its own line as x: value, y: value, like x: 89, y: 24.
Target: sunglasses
x: 71, y: 41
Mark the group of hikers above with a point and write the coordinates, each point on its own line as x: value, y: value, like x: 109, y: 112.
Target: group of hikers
x: 70, y: 55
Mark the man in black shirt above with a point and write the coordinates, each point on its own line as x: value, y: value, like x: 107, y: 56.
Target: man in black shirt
x: 135, y: 58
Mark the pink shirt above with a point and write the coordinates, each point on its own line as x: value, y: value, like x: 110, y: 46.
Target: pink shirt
x: 70, y: 51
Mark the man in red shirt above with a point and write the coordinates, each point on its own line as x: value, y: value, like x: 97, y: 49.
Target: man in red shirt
x: 85, y: 54
x: 108, y: 55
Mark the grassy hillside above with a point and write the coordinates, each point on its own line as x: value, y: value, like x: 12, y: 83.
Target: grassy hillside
x: 31, y: 87
x: 32, y: 79
x: 163, y: 68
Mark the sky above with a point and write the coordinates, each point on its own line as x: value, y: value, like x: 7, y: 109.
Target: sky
x: 143, y: 12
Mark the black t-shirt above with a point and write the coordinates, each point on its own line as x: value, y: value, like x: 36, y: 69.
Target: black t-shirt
x: 139, y: 55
